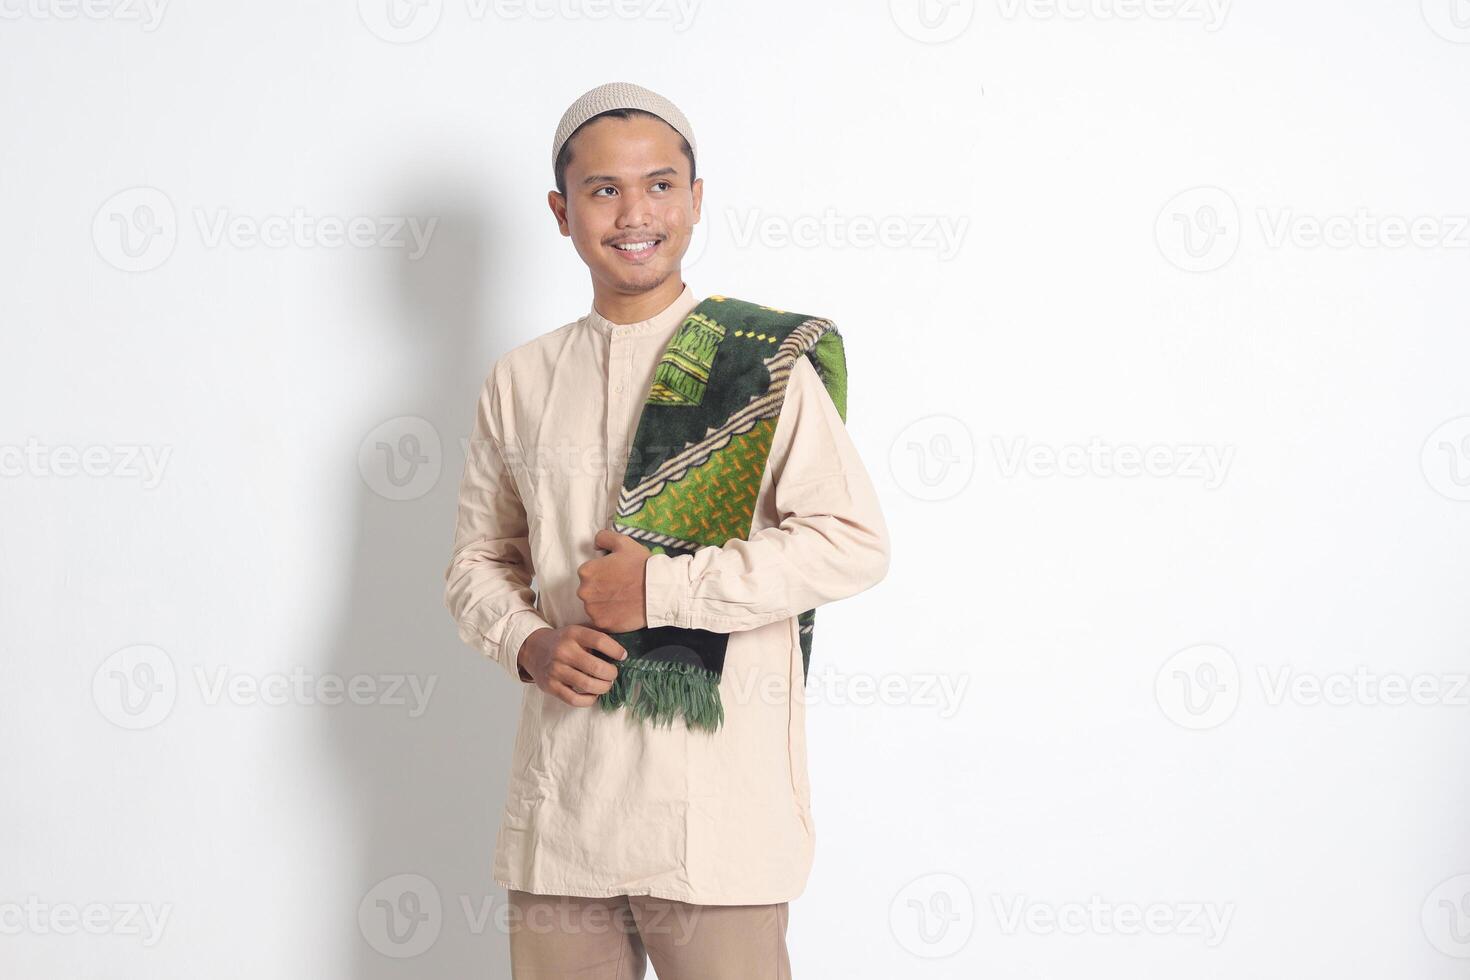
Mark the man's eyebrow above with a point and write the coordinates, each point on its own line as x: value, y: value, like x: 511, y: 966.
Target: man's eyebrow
x: 660, y: 172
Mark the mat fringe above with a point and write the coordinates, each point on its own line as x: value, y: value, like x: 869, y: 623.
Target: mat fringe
x: 660, y: 691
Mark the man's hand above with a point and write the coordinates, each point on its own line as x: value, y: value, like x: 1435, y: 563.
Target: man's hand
x: 560, y: 663
x: 611, y: 586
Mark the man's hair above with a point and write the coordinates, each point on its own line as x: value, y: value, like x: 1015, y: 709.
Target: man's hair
x: 565, y: 156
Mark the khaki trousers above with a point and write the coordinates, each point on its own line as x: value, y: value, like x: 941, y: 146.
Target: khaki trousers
x: 560, y: 937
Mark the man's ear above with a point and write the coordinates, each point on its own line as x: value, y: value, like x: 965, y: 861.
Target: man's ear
x: 558, y: 205
x: 697, y: 190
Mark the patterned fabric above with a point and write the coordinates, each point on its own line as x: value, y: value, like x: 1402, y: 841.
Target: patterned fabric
x: 694, y: 471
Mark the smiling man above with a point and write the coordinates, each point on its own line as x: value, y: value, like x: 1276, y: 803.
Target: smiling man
x: 677, y: 477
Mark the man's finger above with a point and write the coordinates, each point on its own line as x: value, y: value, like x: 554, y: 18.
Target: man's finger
x: 594, y: 667
x: 570, y: 696
x: 595, y: 639
x: 610, y: 540
x: 580, y: 681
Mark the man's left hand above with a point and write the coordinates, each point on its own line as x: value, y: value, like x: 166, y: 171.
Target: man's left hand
x: 611, y: 586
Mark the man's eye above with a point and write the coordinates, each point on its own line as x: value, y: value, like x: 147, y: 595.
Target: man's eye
x: 663, y: 183
x: 601, y: 189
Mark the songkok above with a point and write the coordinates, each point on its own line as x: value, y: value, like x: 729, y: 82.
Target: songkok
x: 619, y: 95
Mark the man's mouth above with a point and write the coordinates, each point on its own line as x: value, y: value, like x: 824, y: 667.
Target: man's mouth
x: 638, y: 250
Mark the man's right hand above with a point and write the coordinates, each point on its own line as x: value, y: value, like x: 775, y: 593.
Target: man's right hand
x: 560, y: 663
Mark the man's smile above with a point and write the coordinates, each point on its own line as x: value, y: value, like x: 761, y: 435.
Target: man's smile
x: 637, y: 250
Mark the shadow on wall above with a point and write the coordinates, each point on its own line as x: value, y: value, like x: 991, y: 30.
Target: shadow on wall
x: 424, y: 779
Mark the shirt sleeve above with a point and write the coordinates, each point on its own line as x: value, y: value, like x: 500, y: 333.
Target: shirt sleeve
x: 831, y: 542
x: 487, y: 586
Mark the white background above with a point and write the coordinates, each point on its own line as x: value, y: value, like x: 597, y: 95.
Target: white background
x: 1134, y: 728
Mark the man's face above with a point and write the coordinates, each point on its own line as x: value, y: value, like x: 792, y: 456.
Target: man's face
x: 628, y: 182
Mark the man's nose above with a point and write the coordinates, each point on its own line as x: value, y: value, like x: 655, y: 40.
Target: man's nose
x: 636, y: 210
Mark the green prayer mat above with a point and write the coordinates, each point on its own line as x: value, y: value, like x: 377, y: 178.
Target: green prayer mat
x: 694, y: 471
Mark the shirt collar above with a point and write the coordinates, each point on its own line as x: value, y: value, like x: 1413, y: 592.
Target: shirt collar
x: 664, y: 321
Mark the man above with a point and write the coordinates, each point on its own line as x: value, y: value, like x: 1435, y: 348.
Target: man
x: 691, y: 840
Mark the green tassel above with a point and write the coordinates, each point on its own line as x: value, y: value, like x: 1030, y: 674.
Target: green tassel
x: 660, y: 690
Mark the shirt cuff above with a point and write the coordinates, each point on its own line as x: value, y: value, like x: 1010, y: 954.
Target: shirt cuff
x: 522, y: 624
x: 665, y: 589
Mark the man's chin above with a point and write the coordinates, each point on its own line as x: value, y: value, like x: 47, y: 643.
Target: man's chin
x: 639, y: 280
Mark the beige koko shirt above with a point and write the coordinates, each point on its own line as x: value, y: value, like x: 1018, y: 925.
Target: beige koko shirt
x: 599, y: 804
